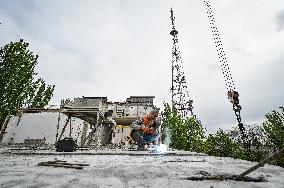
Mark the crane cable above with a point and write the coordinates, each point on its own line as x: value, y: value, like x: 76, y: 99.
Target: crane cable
x: 233, y: 95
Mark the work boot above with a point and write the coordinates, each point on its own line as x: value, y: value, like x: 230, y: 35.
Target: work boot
x: 142, y: 148
x: 151, y: 147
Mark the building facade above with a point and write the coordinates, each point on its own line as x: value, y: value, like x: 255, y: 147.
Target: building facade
x: 89, y: 120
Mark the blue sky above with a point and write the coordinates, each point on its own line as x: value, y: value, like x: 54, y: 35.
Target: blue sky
x: 120, y: 48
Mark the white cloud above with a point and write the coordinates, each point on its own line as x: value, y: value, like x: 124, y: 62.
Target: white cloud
x: 123, y: 48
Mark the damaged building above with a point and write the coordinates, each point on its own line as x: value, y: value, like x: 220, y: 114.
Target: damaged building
x: 90, y: 121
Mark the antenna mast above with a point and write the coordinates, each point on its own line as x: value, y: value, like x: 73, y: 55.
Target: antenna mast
x: 180, y: 96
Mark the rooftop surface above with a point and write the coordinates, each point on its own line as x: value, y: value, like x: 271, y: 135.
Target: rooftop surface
x: 118, y: 168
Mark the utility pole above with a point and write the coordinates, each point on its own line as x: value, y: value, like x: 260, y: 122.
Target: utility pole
x: 179, y: 90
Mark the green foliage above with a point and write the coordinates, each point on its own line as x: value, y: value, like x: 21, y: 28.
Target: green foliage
x: 186, y: 134
x: 255, y: 139
x: 18, y: 87
x: 221, y: 145
x: 170, y: 120
x: 274, y: 129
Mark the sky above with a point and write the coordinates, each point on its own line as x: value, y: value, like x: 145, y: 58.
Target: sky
x: 122, y: 48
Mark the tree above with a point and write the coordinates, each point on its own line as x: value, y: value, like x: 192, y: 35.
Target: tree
x: 170, y: 119
x: 221, y: 145
x: 185, y: 134
x: 274, y: 129
x: 19, y: 87
x: 255, y: 139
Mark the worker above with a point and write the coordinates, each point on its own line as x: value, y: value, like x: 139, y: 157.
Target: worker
x: 145, y: 130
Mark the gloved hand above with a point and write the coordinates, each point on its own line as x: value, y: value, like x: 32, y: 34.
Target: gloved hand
x: 148, y: 130
x: 142, y: 127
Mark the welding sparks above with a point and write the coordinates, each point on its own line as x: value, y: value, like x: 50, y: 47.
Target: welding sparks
x: 162, y: 148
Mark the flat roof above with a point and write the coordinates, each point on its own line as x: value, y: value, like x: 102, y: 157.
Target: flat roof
x: 94, y: 97
x: 142, y: 96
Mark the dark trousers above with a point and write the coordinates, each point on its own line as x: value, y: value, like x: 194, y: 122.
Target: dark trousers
x: 141, y: 138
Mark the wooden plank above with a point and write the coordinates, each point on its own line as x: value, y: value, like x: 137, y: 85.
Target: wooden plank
x: 65, y: 163
x: 56, y: 161
x: 60, y: 165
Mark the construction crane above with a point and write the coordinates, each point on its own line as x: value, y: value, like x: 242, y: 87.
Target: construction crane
x: 233, y: 95
x: 179, y: 90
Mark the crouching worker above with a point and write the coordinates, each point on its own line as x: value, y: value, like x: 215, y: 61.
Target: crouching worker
x: 145, y: 129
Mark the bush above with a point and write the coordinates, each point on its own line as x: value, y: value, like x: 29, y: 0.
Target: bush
x: 221, y: 145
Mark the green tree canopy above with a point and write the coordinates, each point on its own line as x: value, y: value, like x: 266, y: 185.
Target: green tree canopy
x: 19, y: 87
x: 256, y: 140
x: 274, y: 129
x: 185, y: 134
x: 221, y: 145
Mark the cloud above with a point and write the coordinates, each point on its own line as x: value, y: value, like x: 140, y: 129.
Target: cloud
x: 280, y: 20
x: 122, y: 48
